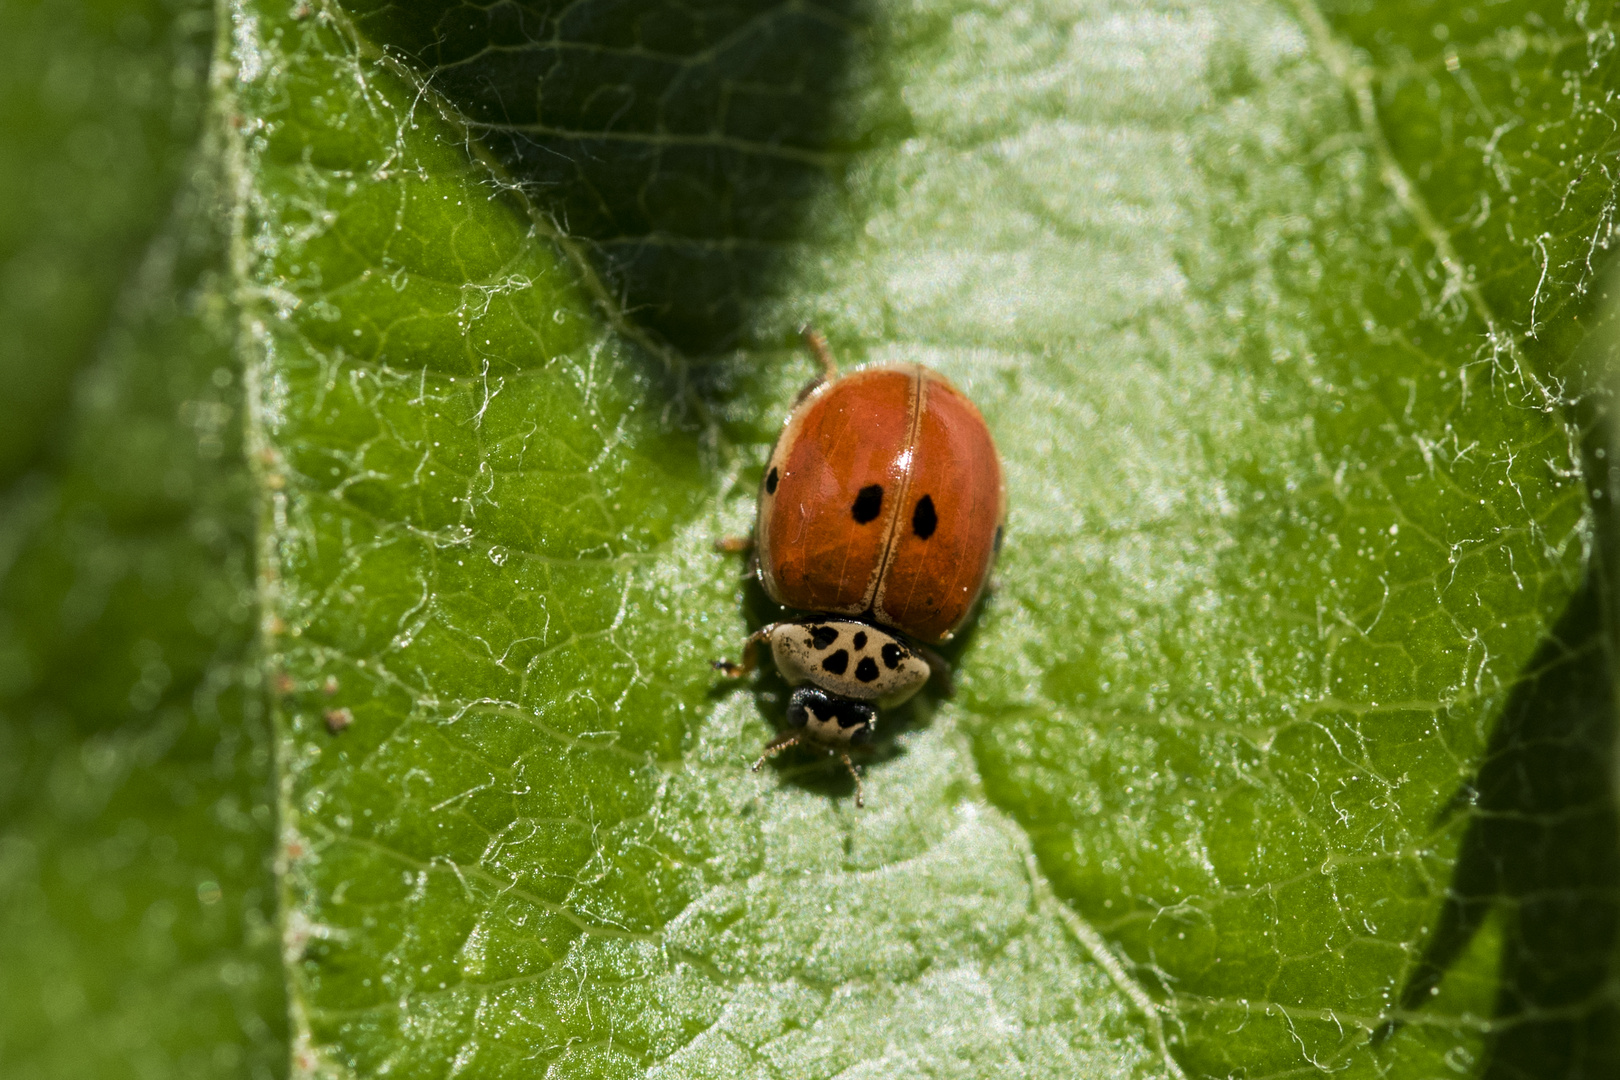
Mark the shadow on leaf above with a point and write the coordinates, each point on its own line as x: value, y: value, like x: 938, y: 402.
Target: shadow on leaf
x: 684, y: 143
x: 1543, y: 845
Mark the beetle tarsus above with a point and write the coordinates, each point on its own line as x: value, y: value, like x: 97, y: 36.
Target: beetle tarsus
x: 817, y: 343
x: 750, y: 655
x: 860, y: 793
x: 776, y: 746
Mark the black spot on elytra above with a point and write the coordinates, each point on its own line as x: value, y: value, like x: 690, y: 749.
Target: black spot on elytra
x: 860, y: 640
x: 892, y: 655
x: 923, y: 519
x: 837, y: 663
x: 823, y: 636
x: 866, y: 670
x: 998, y: 539
x: 868, y: 504
x: 770, y: 481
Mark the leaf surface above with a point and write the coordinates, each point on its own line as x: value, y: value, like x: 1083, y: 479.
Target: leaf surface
x: 1294, y: 446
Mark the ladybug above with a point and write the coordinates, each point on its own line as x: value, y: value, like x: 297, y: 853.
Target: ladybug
x: 881, y: 510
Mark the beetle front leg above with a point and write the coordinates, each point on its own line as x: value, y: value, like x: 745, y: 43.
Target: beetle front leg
x: 750, y: 655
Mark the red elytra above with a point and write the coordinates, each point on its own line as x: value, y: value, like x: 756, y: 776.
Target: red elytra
x: 883, y: 499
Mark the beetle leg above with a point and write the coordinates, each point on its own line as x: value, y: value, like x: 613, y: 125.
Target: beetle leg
x: 738, y: 545
x: 817, y: 344
x: 776, y: 746
x: 817, y: 341
x: 750, y: 655
x: 860, y: 795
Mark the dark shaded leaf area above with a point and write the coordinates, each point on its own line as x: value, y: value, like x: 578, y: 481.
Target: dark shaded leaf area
x: 1542, y: 849
x: 1542, y: 853
x: 685, y: 141
x: 1539, y: 862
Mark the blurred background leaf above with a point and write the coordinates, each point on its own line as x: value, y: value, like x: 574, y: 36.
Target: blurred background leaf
x: 136, y: 898
x: 100, y: 106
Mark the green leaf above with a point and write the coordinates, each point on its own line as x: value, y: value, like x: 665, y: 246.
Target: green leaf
x: 136, y: 893
x: 1273, y: 312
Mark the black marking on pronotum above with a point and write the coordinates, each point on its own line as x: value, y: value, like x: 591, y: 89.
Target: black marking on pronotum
x: 770, y: 481
x: 868, y: 504
x: 866, y: 670
x: 892, y: 655
x: 852, y: 717
x: 837, y: 663
x: 823, y: 636
x: 808, y: 701
x: 860, y: 640
x: 923, y: 519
